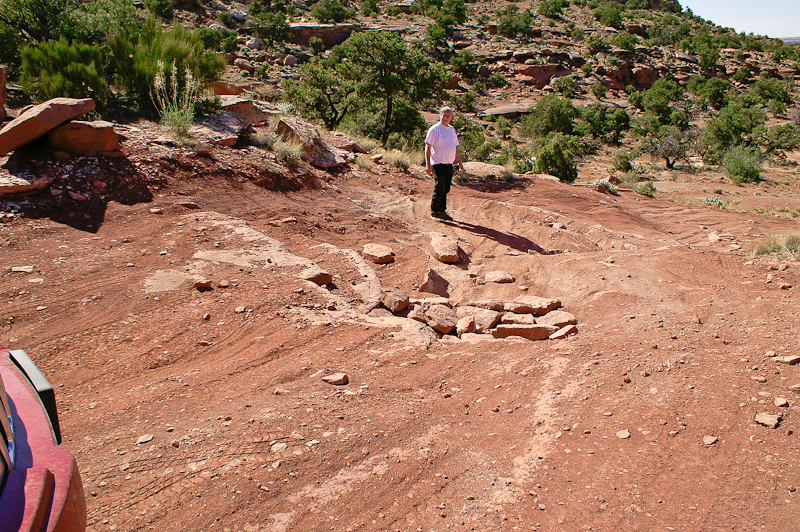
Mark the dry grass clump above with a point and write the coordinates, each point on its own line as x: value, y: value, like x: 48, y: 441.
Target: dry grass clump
x: 365, y: 163
x: 290, y: 152
x: 782, y: 245
x: 403, y: 159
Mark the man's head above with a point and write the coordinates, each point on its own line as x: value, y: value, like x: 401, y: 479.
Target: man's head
x: 446, y: 115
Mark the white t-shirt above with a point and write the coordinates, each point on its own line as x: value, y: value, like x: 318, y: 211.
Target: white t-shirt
x: 443, y: 141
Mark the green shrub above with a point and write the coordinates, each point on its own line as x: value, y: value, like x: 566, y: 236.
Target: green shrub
x: 551, y: 114
x: 270, y: 26
x: 566, y: 86
x: 393, y: 11
x: 624, y: 40
x: 497, y: 79
x: 599, y: 90
x: 513, y: 23
x: 646, y: 189
x: 316, y: 45
x: 622, y: 162
x: 736, y: 123
x: 782, y: 137
x: 466, y: 63
x: 331, y: 11
x: 136, y: 59
x: 586, y: 68
x: 784, y: 245
x: 217, y: 39
x: 742, y: 164
x: 369, y: 8
x: 436, y: 37
x: 597, y: 44
x: 553, y: 160
x: 551, y: 8
x: 576, y: 33
x: 503, y: 127
x: 58, y: 68
x: 608, y: 186
x: 609, y: 14
x: 743, y: 75
x: 160, y: 8
x: 769, y: 89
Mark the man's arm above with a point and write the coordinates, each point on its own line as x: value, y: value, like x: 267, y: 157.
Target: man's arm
x: 458, y: 160
x: 428, y: 166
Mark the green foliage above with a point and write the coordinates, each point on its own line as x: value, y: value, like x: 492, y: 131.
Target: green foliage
x: 322, y: 92
x: 60, y: 69
x: 316, y: 45
x: 136, y: 58
x: 464, y: 102
x: 622, y: 162
x: 658, y: 99
x: 766, y: 89
x: 599, y: 90
x: 783, y: 245
x: 332, y: 11
x: 742, y: 164
x: 218, y: 39
x: 586, y: 68
x: 782, y: 137
x: 609, y: 187
x: 513, y: 23
x: 497, y: 79
x: 393, y: 11
x: 600, y: 121
x: 446, y: 13
x: 646, y: 189
x: 553, y: 160
x: 666, y: 142
x: 576, y: 33
x: 484, y: 151
x: 714, y: 91
x: 503, y: 127
x: 470, y: 136
x: 160, y: 8
x: 93, y: 21
x: 268, y: 22
x: 743, y: 75
x: 597, y: 44
x: 436, y: 37
x: 609, y: 14
x: 38, y: 20
x: 551, y: 8
x: 385, y: 68
x: 736, y: 124
x: 466, y: 63
x: 551, y: 114
x: 566, y: 86
x: 369, y: 8
x: 624, y: 40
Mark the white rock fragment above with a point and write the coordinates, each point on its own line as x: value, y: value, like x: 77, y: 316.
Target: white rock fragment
x: 624, y: 434
x: 710, y: 440
x: 22, y: 269
x: 144, y: 438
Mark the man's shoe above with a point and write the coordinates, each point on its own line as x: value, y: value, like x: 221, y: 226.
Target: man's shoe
x: 445, y: 217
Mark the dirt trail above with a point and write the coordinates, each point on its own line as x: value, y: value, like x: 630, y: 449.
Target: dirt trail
x: 238, y: 432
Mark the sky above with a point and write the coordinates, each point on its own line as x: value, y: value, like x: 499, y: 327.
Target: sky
x: 773, y: 18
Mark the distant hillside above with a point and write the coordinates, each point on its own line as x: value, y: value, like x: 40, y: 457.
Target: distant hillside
x: 791, y: 40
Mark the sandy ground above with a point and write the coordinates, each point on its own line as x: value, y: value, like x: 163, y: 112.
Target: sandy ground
x: 206, y: 410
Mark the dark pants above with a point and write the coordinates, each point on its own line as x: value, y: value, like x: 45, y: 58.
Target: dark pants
x: 442, y: 176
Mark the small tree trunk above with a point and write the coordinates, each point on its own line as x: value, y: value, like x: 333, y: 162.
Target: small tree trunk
x: 387, y: 121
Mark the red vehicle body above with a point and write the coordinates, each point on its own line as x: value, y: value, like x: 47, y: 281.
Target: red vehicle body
x: 40, y: 488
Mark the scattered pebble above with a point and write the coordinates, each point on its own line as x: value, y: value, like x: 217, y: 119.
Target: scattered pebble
x: 768, y: 420
x: 337, y: 379
x: 624, y: 434
x: 781, y: 402
x: 710, y: 440
x: 144, y: 438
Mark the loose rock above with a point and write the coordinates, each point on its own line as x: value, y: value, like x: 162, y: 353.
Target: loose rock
x: 710, y: 440
x: 530, y: 332
x: 768, y: 420
x: 624, y: 434
x: 337, y: 379
x: 394, y: 299
x: 499, y: 276
x: 538, y: 306
x: 377, y: 253
x: 557, y: 318
x: 444, y: 247
x: 441, y: 318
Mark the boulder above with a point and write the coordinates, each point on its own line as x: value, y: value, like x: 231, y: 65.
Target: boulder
x: 14, y: 185
x: 85, y: 138
x: 39, y: 119
x: 563, y: 332
x: 377, y: 253
x: 315, y: 149
x: 244, y: 64
x: 538, y: 306
x: 499, y: 276
x: 768, y: 420
x: 517, y: 319
x: 226, y: 88
x: 253, y: 110
x: 484, y: 319
x: 530, y: 332
x: 221, y: 129
x: 441, y: 318
x: 444, y: 247
x: 330, y: 34
x: 491, y: 304
x: 557, y: 318
x: 435, y: 284
x: 316, y: 275
x: 465, y: 325
x: 480, y: 169
x: 416, y: 313
x: 394, y: 299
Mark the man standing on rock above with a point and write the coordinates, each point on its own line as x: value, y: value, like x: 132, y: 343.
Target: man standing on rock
x: 441, y: 150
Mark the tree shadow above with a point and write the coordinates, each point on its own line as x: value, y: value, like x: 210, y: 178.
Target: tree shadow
x: 517, y: 242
